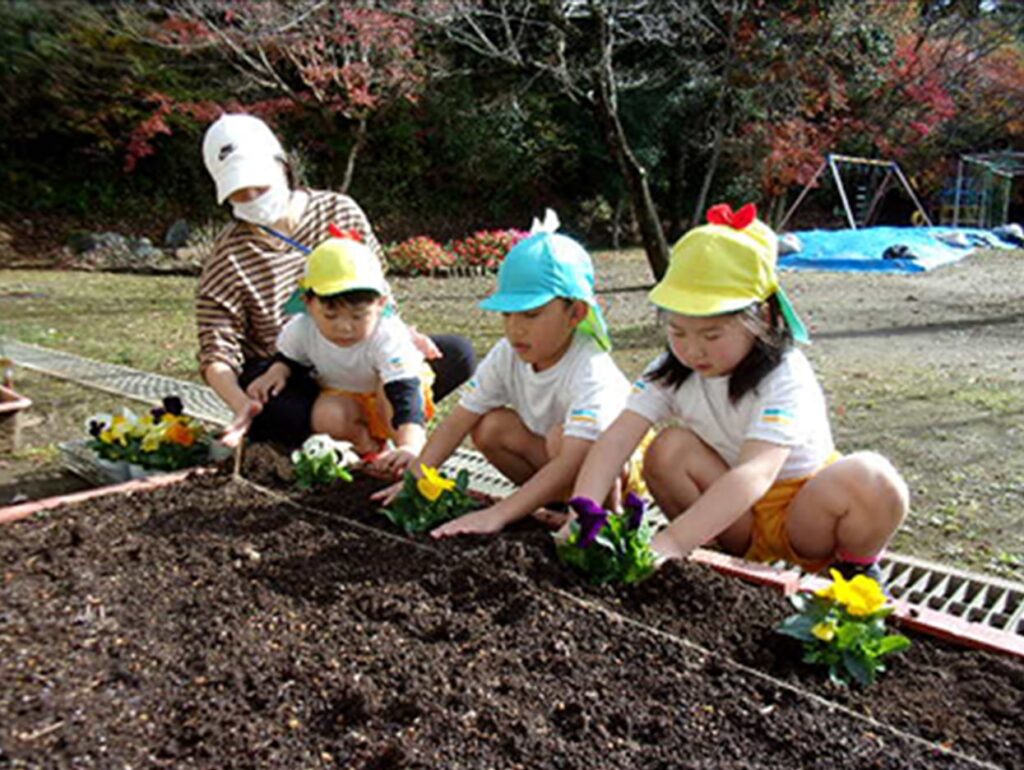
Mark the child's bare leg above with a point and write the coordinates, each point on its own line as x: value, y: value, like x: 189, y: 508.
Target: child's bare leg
x: 342, y: 418
x: 678, y: 468
x: 853, y: 506
x: 509, y: 445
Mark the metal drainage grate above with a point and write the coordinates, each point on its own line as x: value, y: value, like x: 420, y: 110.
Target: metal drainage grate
x: 970, y: 596
x: 200, y: 401
x: 483, y: 477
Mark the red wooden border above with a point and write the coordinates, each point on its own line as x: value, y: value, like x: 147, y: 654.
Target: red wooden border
x: 31, y: 507
x: 11, y: 401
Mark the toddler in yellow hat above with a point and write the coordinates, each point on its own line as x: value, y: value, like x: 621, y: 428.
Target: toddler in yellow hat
x: 749, y: 461
x: 373, y: 380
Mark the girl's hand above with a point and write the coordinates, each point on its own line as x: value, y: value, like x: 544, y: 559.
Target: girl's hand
x: 235, y: 432
x: 392, y: 463
x: 384, y: 496
x: 665, y: 547
x: 267, y: 385
x: 424, y: 344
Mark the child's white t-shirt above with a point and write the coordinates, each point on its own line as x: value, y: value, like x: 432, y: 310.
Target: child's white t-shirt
x: 584, y: 392
x: 388, y: 354
x: 786, y: 408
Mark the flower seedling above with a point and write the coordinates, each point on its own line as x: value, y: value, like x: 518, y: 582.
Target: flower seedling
x: 430, y: 500
x: 609, y: 547
x: 842, y: 626
x: 163, y: 439
x: 321, y: 460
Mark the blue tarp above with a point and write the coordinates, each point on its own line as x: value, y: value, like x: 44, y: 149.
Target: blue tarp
x: 861, y: 250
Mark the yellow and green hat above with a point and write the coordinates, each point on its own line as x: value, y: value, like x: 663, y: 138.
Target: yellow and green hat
x: 342, y: 264
x: 725, y: 266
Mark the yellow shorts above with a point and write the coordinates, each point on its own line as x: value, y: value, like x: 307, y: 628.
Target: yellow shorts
x: 375, y: 408
x: 635, y: 467
x: 769, y: 540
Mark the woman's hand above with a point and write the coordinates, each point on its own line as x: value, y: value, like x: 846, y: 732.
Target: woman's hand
x: 235, y: 432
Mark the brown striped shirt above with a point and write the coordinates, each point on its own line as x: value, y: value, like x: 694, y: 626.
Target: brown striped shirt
x: 250, y: 275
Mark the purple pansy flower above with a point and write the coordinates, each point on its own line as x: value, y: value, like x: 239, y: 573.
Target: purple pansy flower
x: 96, y: 428
x: 636, y: 507
x: 173, y: 405
x: 592, y: 518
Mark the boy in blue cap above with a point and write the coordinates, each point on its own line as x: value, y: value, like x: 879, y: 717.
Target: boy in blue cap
x: 544, y: 393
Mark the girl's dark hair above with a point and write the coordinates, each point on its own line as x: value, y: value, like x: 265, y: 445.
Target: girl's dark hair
x: 772, y: 338
x: 354, y: 298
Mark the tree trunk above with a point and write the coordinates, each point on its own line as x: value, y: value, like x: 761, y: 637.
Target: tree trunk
x: 350, y: 161
x: 709, y: 175
x: 651, y: 233
x: 676, y: 163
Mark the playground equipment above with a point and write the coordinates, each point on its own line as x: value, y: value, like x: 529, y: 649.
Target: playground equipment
x: 984, y: 189
x: 861, y: 208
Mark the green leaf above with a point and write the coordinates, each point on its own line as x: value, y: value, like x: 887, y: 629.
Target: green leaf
x: 798, y: 627
x: 891, y: 643
x: 862, y: 669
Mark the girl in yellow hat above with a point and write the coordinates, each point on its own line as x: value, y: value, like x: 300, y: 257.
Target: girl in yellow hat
x: 749, y: 460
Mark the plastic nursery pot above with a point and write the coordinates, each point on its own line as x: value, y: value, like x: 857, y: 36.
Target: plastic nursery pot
x: 11, y: 406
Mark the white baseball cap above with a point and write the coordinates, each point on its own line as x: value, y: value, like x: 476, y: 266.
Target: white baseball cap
x: 241, y: 151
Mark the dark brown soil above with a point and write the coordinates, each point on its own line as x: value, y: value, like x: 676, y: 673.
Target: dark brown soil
x: 213, y: 625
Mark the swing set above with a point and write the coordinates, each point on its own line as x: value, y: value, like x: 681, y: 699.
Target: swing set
x: 861, y: 209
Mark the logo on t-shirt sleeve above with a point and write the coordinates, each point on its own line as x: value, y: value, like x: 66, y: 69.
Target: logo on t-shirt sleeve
x: 583, y: 416
x: 777, y: 416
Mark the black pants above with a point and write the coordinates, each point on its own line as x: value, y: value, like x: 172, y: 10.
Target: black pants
x: 285, y: 419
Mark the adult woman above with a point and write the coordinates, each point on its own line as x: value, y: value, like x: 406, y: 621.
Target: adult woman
x: 253, y: 270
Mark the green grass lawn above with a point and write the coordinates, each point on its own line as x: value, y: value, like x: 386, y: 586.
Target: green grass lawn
x: 145, y: 322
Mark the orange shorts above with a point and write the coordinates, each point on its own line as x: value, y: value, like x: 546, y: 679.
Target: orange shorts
x: 375, y: 409
x: 769, y: 540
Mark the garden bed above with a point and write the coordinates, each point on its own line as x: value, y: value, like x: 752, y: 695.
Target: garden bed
x: 210, y: 624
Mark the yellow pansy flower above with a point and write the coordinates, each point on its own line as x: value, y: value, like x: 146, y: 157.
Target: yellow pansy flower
x: 824, y: 631
x: 151, y: 441
x: 866, y: 596
x: 860, y: 596
x: 119, y: 429
x: 433, y: 483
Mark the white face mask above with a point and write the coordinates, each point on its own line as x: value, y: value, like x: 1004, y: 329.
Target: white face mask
x: 267, y: 209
